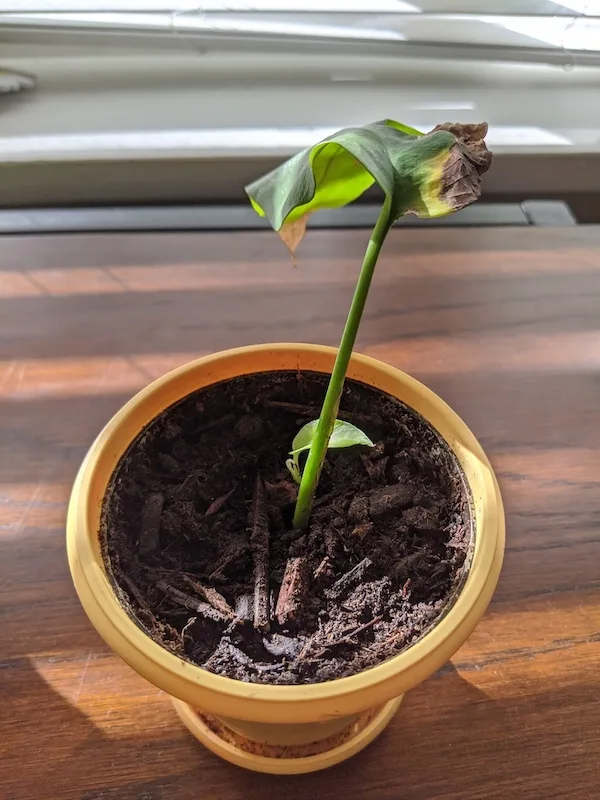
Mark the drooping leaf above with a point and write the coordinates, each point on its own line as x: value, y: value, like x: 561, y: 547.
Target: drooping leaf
x: 344, y: 435
x: 429, y: 175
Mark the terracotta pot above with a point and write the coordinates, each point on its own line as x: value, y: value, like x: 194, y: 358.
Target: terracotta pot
x: 280, y: 729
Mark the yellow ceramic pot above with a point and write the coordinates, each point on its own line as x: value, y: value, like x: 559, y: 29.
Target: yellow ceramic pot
x: 280, y: 729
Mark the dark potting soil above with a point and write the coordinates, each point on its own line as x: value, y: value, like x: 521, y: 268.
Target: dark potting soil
x: 197, y: 533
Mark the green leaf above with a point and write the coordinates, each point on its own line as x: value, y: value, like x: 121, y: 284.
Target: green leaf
x: 344, y: 435
x: 429, y: 175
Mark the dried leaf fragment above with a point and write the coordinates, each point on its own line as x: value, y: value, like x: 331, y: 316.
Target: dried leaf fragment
x: 292, y: 233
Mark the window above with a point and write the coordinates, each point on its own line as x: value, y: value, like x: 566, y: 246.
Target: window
x: 195, y: 92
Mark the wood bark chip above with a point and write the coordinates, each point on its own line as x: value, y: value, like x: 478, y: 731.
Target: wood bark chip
x: 231, y: 556
x: 323, y: 568
x: 351, y: 579
x: 244, y: 607
x: 259, y: 542
x: 386, y: 500
x: 195, y: 605
x: 211, y: 595
x: 375, y: 468
x: 137, y: 595
x: 218, y: 504
x: 362, y: 530
x: 358, y: 630
x: 347, y: 638
x: 227, y: 649
x: 293, y: 591
x: 149, y: 536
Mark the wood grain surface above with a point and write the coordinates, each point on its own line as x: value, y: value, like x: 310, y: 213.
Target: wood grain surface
x: 503, y: 323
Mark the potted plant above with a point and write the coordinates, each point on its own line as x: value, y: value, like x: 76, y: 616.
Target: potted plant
x: 285, y: 538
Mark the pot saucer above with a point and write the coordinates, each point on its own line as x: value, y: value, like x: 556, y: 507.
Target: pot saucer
x: 281, y: 759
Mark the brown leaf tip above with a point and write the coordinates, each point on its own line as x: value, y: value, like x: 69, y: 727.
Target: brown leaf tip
x: 292, y: 233
x: 471, y: 138
x: 468, y: 159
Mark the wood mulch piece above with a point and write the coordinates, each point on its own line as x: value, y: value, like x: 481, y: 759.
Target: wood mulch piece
x: 259, y: 542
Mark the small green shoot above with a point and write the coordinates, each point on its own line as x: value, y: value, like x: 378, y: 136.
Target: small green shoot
x: 344, y: 435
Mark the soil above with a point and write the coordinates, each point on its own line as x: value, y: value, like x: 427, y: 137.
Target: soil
x: 199, y: 542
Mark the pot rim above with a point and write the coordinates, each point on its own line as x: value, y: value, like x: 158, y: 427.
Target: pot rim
x: 94, y: 587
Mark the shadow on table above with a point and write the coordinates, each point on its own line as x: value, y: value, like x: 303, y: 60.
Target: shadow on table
x: 51, y: 751
x: 449, y: 740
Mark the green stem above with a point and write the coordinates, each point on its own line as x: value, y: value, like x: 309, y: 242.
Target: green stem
x: 318, y: 450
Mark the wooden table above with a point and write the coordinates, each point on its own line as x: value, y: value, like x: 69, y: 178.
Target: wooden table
x: 503, y: 323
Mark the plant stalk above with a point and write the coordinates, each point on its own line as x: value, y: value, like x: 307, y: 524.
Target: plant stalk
x: 318, y: 450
